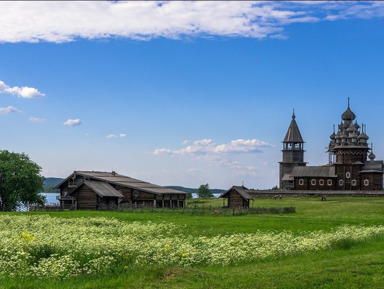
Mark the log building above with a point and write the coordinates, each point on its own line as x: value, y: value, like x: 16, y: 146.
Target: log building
x: 351, y: 170
x: 89, y: 190
x: 352, y: 164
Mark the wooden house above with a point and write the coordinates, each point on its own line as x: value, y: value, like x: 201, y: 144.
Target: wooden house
x: 238, y: 197
x: 89, y: 190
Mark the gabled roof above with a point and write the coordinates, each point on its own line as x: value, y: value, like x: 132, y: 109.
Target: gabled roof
x: 313, y: 171
x: 293, y: 134
x: 113, y: 178
x: 101, y: 188
x: 241, y: 190
x: 373, y: 167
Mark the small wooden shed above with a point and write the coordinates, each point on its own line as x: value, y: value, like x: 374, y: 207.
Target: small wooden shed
x: 237, y: 197
x: 89, y: 190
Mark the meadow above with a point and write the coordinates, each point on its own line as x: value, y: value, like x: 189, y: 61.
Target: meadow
x: 334, y: 244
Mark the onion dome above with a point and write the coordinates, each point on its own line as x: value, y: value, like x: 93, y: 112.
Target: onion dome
x: 372, y: 156
x: 351, y: 128
x: 354, y: 136
x: 363, y: 136
x: 343, y: 137
x: 337, y: 137
x: 348, y: 114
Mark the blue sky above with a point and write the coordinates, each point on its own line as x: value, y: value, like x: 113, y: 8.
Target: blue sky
x: 185, y: 93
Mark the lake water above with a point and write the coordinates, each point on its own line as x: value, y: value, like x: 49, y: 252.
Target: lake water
x: 51, y: 198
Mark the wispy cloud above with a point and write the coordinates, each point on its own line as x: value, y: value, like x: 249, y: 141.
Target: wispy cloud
x: 112, y: 135
x: 24, y: 92
x: 36, y: 120
x: 63, y: 21
x: 72, y: 122
x: 5, y: 110
x: 206, y: 146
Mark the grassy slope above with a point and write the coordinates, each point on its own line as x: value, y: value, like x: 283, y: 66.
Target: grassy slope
x: 359, y: 266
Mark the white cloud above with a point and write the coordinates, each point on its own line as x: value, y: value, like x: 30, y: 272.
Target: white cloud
x: 112, y: 135
x: 72, y: 122
x: 24, y: 92
x: 242, y: 146
x: 4, y: 110
x: 36, y: 119
x: 206, y: 146
x: 162, y: 151
x: 63, y: 21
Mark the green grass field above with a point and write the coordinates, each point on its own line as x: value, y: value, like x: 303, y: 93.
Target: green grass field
x: 346, y: 264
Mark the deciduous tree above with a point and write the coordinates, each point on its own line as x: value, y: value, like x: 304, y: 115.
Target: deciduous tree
x: 20, y: 181
x: 204, y: 191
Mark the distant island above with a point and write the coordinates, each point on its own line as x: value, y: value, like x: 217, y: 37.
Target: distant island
x: 50, y: 183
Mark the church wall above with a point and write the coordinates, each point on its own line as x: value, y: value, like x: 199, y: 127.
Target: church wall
x: 286, y: 168
x: 375, y: 181
x: 315, y: 183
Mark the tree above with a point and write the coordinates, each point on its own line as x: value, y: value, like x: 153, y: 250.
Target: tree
x: 20, y: 181
x: 204, y: 192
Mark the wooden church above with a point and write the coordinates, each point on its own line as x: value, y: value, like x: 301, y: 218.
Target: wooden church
x: 352, y: 165
x: 351, y: 171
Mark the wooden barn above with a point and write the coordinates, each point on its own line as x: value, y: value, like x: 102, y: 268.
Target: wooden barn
x: 89, y: 190
x: 237, y: 197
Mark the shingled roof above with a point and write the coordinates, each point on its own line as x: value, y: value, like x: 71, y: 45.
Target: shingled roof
x: 113, y: 178
x: 242, y: 191
x: 293, y: 134
x: 313, y: 171
x: 373, y: 167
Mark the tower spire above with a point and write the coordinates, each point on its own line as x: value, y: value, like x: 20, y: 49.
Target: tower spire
x: 348, y: 101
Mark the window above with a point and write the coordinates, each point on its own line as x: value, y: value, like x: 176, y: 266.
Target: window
x: 313, y: 182
x: 353, y: 183
x: 348, y: 175
x: 366, y: 182
x: 301, y: 182
x: 321, y: 182
x: 341, y: 183
x: 329, y: 182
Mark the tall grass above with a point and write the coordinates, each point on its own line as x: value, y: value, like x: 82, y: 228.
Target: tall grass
x: 351, y: 261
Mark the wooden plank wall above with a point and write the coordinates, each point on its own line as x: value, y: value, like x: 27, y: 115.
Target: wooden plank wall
x: 235, y: 200
x: 86, y: 199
